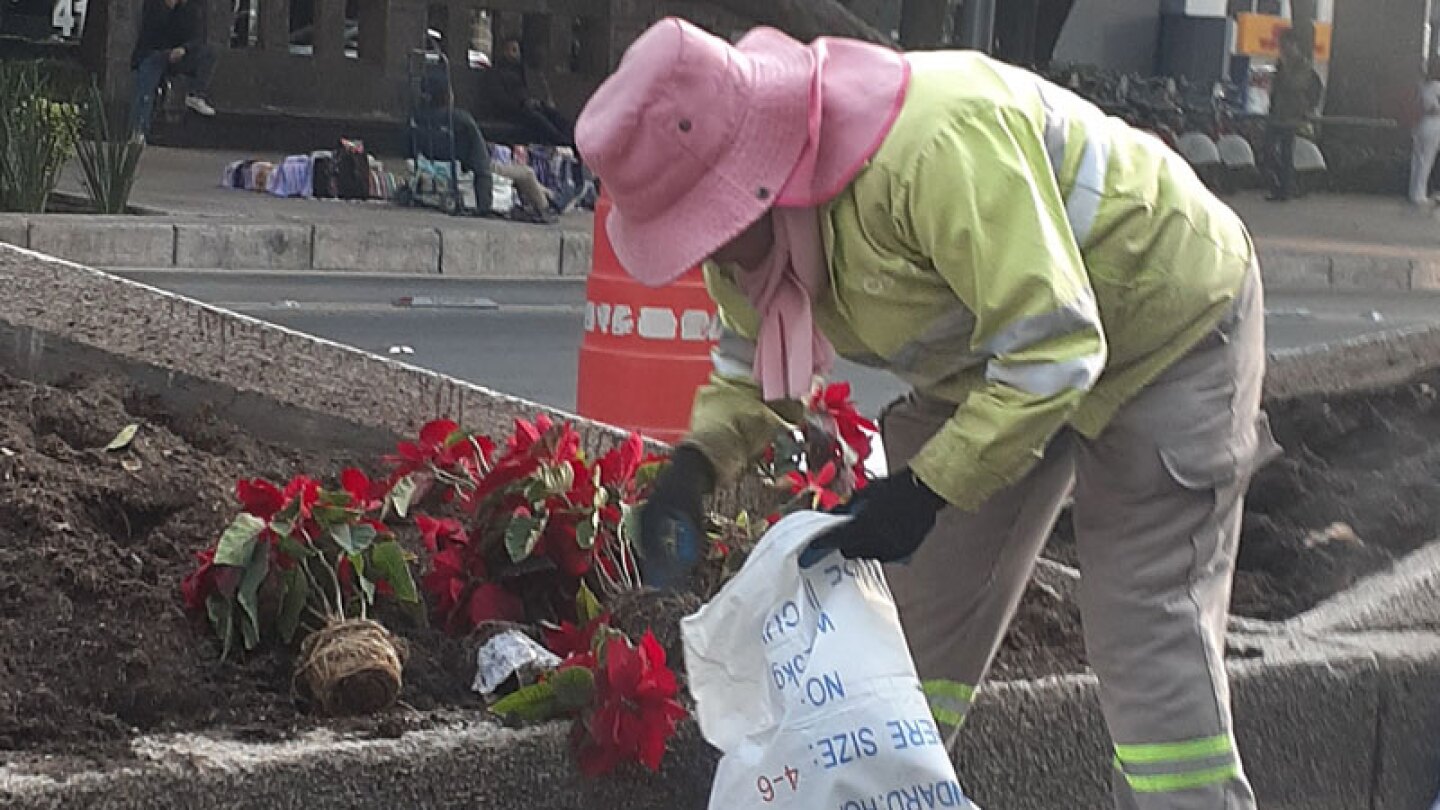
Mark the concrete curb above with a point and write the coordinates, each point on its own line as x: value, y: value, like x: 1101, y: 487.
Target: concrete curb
x: 496, y: 249
x: 457, y: 247
x: 1369, y: 361
x: 1339, y: 267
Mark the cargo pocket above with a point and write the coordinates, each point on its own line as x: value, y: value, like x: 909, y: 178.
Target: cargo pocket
x: 1212, y: 465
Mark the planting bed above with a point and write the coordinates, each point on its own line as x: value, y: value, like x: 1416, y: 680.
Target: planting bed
x: 94, y: 642
x: 95, y: 646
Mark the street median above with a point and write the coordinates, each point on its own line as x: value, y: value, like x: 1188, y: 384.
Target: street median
x: 1334, y: 710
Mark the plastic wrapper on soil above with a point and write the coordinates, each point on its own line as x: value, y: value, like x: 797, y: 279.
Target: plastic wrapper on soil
x: 510, y: 654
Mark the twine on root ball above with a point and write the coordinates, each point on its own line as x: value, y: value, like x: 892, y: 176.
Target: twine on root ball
x: 350, y: 667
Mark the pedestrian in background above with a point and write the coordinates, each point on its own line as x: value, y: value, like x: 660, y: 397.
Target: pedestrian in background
x: 1294, y: 95
x: 1427, y: 136
x: 171, y: 43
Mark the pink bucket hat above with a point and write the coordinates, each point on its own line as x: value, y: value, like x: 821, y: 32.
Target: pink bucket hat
x: 695, y: 139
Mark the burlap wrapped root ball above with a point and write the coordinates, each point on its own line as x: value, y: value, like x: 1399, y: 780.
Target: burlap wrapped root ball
x: 350, y: 667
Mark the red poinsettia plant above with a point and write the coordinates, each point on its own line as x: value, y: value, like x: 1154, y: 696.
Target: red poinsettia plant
x: 514, y: 531
x: 821, y: 462
x: 619, y: 695
x: 299, y: 557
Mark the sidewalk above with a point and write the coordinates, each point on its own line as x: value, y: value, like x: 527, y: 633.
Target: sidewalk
x: 1319, y: 243
x: 192, y: 221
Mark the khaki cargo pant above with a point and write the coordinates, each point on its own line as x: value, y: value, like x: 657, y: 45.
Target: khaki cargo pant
x: 1157, y: 506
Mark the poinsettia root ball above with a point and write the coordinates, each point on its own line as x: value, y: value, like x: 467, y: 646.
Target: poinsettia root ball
x: 350, y: 667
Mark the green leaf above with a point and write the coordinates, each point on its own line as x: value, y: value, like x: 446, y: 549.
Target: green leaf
x: 558, y: 478
x: 521, y: 536
x: 400, y: 495
x: 293, y: 548
x: 630, y: 526
x: 363, y: 536
x: 341, y: 535
x: 332, y: 515
x: 532, y: 704
x: 388, y: 560
x: 123, y: 439
x: 239, y: 540
x: 357, y: 561
x: 297, y: 590
x: 334, y: 497
x: 586, y: 530
x: 587, y: 607
x: 248, y: 595
x: 574, y: 689
x: 353, y: 539
x: 222, y: 618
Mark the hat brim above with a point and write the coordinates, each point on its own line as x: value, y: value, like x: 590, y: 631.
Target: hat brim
x: 745, y: 183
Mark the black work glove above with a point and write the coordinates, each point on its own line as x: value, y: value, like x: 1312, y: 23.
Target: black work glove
x: 892, y: 517
x: 672, y: 522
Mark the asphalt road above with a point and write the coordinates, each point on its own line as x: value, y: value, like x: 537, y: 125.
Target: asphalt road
x: 522, y: 336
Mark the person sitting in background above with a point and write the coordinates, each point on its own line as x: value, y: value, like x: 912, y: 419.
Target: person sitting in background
x: 434, y: 121
x: 511, y: 96
x: 171, y: 43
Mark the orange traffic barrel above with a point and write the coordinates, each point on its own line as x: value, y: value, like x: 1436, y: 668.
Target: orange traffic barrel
x: 645, y: 349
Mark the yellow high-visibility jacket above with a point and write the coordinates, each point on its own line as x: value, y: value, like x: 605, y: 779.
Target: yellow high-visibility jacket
x: 1010, y: 249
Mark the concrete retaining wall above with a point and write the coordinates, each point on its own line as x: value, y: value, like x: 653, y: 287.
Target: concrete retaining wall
x: 1321, y: 727
x: 1338, y: 711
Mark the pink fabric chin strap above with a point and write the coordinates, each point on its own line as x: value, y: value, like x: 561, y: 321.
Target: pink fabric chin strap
x: 789, y: 349
x: 856, y: 95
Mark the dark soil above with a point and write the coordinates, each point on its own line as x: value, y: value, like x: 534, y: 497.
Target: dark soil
x: 94, y: 642
x: 95, y: 645
x: 1358, y: 487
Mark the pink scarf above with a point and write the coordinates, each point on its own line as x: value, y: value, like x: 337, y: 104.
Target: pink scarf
x: 789, y: 350
x: 856, y: 95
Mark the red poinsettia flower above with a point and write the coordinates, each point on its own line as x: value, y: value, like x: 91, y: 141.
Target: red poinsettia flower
x: 411, y: 456
x: 560, y: 545
x: 259, y: 497
x: 197, y: 586
x: 447, y: 579
x: 570, y: 639
x: 833, y: 401
x: 305, y: 492
x: 440, y: 533
x: 636, y: 710
x: 618, y: 467
x: 527, y: 434
x: 494, y: 603
x: 345, y: 572
x: 815, y: 486
x: 366, y: 495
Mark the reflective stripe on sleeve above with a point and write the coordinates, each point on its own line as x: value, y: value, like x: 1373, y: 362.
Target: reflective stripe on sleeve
x: 734, y: 356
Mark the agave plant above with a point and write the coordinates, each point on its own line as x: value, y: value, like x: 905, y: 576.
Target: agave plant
x: 108, y: 159
x: 37, y: 133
